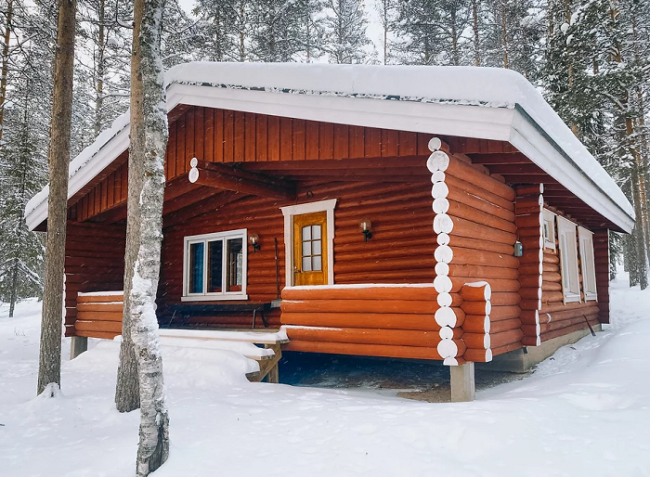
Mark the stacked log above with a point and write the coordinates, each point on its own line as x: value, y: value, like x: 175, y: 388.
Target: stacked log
x: 475, y: 221
x: 99, y: 314
x: 529, y: 219
x: 557, y: 318
x: 443, y: 224
x: 371, y: 320
x: 476, y: 327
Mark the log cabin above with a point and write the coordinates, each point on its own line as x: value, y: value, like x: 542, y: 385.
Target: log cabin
x: 429, y: 213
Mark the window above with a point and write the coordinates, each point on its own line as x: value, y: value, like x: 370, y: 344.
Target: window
x: 588, y: 265
x: 215, y: 266
x: 567, y: 232
x: 549, y: 229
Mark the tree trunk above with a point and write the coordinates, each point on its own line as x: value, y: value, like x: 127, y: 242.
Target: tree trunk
x: 5, y: 66
x: 148, y: 145
x: 12, y: 292
x: 477, y: 44
x: 127, y: 391
x: 504, y: 34
x: 100, y: 71
x: 49, y: 370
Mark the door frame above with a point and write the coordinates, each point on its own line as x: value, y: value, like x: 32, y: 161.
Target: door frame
x: 289, y: 212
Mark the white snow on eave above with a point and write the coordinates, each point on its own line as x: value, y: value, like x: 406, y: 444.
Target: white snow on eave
x: 84, y: 159
x: 470, y: 86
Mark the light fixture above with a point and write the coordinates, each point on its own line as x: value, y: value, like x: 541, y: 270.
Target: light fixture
x: 254, y: 240
x: 519, y: 249
x: 365, y: 225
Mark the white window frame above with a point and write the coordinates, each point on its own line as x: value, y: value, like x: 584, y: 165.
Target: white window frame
x: 289, y: 212
x: 205, y: 238
x: 588, y: 263
x: 549, y: 225
x: 567, y: 233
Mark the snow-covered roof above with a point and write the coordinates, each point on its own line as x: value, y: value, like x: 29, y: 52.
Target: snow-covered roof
x: 486, y: 103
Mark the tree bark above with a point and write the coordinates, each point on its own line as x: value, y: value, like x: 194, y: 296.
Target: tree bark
x: 148, y: 145
x: 127, y: 391
x: 477, y: 43
x: 5, y: 66
x: 100, y: 70
x: 49, y: 370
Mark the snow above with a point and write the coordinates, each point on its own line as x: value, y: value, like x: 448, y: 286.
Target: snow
x: 585, y: 411
x: 260, y: 337
x: 485, y: 87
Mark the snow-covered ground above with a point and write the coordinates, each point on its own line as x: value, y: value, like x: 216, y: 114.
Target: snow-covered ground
x: 584, y: 412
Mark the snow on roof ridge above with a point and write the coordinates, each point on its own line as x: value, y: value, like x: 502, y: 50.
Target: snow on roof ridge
x: 466, y: 85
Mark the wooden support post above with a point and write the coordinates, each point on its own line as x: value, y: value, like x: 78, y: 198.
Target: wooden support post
x: 78, y: 344
x: 244, y: 182
x: 274, y: 372
x: 463, y: 386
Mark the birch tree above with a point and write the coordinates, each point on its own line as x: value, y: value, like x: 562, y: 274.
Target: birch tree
x: 144, y: 237
x: 49, y: 370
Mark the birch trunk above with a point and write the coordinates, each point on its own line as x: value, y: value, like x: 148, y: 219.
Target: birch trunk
x: 148, y: 144
x: 49, y: 370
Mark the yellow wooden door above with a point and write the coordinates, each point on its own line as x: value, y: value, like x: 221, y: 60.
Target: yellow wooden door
x: 310, y: 249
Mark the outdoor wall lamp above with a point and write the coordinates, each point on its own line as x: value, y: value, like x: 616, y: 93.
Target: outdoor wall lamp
x: 254, y: 240
x: 365, y: 226
x: 519, y: 249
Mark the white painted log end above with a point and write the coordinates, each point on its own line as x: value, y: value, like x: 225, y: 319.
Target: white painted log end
x: 445, y: 317
x: 488, y: 308
x: 442, y: 284
x: 450, y: 362
x: 438, y: 161
x: 194, y: 162
x: 444, y: 299
x: 443, y: 224
x: 486, y: 341
x: 488, y: 355
x: 446, y: 333
x: 439, y: 190
x: 447, y: 349
x: 438, y: 176
x: 441, y: 205
x: 443, y: 254
x: 442, y: 268
x: 434, y: 144
x: 443, y: 239
x: 193, y: 175
x: 486, y: 324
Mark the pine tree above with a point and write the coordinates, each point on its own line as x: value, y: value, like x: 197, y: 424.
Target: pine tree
x: 345, y: 27
x: 433, y: 32
x: 388, y: 11
x: 49, y: 371
x: 275, y: 30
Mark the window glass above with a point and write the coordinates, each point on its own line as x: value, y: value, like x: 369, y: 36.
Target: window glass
x: 567, y: 231
x: 196, y: 268
x: 235, y: 264
x: 215, y: 266
x: 312, y: 249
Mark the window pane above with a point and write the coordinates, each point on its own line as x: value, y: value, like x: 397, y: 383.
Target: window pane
x: 317, y: 247
x: 317, y: 263
x: 306, y: 249
x: 196, y: 268
x: 306, y: 233
x: 235, y: 265
x: 215, y: 264
x: 306, y: 264
x: 316, y: 230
